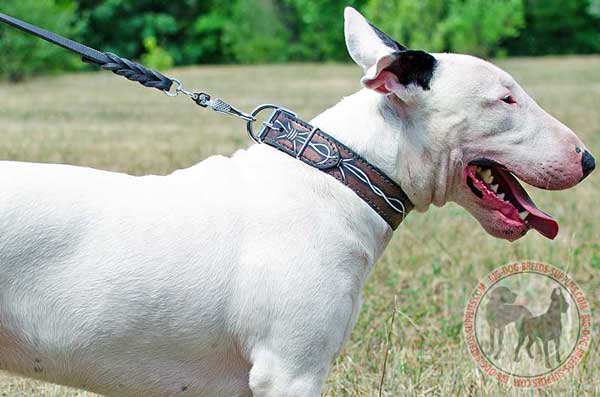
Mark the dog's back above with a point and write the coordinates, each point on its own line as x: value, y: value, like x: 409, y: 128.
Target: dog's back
x: 499, y: 314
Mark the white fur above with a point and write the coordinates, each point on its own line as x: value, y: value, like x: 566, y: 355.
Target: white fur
x: 238, y: 276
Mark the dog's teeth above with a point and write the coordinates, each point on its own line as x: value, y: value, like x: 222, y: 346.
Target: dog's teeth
x: 478, y: 169
x: 523, y: 215
x: 494, y: 188
x: 501, y: 196
x: 486, y: 175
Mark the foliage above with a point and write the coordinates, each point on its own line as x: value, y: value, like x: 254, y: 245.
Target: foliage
x: 316, y: 29
x: 205, y: 38
x: 255, y: 32
x: 416, y: 23
x: 120, y: 26
x: 469, y: 26
x: 558, y: 27
x: 259, y: 31
x: 189, y: 30
x: 156, y: 57
x: 23, y: 56
x: 594, y: 8
x: 288, y: 30
x: 477, y: 26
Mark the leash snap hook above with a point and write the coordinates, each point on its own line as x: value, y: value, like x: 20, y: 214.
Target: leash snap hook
x: 220, y: 106
x: 205, y: 100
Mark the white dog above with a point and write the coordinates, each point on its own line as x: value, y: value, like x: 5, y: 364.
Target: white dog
x: 242, y: 276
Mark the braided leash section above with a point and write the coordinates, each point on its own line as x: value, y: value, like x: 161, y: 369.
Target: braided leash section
x: 136, y: 72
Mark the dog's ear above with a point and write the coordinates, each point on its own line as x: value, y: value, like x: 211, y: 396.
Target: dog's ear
x: 388, y: 66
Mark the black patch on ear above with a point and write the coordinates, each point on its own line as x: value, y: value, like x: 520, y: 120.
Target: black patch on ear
x: 413, y: 67
x: 387, y: 40
x: 410, y: 66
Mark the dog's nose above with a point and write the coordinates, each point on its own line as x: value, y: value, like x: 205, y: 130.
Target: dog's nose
x: 587, y: 163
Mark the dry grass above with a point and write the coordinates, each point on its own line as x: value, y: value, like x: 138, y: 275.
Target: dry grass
x: 433, y: 261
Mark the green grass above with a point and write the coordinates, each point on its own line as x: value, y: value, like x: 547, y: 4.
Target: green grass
x: 433, y: 261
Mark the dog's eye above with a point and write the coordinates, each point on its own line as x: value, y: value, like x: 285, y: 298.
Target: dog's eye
x: 509, y: 99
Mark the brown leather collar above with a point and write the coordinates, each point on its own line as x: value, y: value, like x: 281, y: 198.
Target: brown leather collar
x: 286, y: 132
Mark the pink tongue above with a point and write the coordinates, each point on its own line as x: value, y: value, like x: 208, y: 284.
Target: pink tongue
x: 537, y: 219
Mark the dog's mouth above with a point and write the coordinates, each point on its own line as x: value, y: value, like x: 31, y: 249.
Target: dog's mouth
x: 499, y: 190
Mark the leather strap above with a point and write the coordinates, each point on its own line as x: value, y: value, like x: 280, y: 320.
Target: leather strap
x: 285, y: 132
x: 121, y: 66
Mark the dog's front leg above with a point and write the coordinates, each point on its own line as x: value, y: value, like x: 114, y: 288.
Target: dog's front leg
x: 277, y: 375
x: 294, y: 358
x: 519, y: 344
x: 500, y: 343
x: 529, y: 344
x: 546, y: 355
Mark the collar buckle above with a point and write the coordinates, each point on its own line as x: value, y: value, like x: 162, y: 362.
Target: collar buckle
x: 267, y: 124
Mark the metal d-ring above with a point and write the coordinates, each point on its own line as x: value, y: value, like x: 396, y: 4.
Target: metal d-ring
x: 173, y: 94
x: 266, y: 124
x: 180, y: 90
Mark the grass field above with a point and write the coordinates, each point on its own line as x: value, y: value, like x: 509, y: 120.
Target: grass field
x: 433, y: 261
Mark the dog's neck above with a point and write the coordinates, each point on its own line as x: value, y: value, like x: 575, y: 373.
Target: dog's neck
x: 553, y: 311
x: 373, y: 126
x: 377, y: 128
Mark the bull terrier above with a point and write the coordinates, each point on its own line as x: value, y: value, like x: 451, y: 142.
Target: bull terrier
x: 242, y: 275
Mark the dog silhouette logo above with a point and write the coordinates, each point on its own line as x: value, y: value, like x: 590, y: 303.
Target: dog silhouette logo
x: 527, y: 306
x: 500, y: 312
x: 545, y: 327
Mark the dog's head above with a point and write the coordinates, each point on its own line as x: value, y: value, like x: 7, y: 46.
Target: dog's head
x: 470, y: 131
x: 503, y: 295
x: 558, y: 300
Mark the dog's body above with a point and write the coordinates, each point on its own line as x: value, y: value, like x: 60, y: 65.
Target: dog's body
x: 500, y: 312
x: 121, y: 281
x: 242, y: 276
x: 177, y: 283
x: 546, y: 328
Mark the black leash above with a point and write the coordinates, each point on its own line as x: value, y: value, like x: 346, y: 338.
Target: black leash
x: 121, y: 66
x: 126, y: 68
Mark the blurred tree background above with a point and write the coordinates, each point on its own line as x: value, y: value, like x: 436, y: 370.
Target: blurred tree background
x: 167, y: 33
